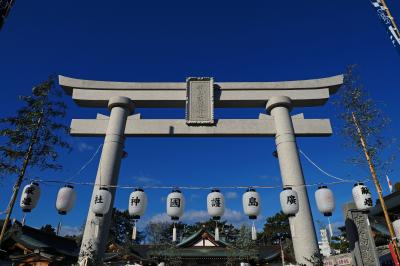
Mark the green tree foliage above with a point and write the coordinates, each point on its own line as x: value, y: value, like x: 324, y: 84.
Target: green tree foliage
x: 340, y: 242
x: 43, y: 111
x: 354, y: 99
x: 276, y: 229
x: 243, y: 247
x: 121, y: 229
x: 49, y: 229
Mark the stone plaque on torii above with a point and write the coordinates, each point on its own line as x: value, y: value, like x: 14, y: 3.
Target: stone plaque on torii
x: 199, y: 96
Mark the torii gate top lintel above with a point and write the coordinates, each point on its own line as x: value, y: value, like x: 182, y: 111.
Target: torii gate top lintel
x: 93, y: 93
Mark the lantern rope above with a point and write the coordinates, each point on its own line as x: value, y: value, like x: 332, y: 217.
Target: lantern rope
x: 187, y: 187
x: 84, y: 165
x: 322, y: 170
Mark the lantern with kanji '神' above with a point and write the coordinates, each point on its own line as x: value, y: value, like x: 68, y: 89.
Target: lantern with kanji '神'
x: 325, y: 200
x: 137, y: 207
x: 65, y: 199
x: 362, y: 197
x: 175, y: 207
x: 216, y: 208
x: 252, y: 208
x: 101, y: 202
x: 30, y: 197
x: 289, y: 201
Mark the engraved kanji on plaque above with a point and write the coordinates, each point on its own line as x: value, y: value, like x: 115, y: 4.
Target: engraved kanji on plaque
x: 200, y: 101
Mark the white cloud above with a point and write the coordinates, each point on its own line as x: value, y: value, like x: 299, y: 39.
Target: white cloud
x: 70, y: 230
x: 231, y: 195
x: 146, y: 181
x: 83, y: 146
x: 160, y: 218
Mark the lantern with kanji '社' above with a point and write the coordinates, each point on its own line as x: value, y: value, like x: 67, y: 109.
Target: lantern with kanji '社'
x: 101, y: 202
x: 137, y: 207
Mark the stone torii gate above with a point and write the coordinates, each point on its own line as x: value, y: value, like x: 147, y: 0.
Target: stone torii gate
x: 200, y: 96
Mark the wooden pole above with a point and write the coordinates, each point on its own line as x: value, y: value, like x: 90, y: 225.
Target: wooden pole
x: 377, y: 185
x: 21, y: 175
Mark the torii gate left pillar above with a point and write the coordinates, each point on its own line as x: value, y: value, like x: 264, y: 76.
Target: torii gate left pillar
x: 97, y: 228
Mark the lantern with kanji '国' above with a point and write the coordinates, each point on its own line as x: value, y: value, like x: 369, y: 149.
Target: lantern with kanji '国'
x: 325, y: 200
x: 101, y: 202
x: 30, y: 197
x: 362, y: 197
x: 65, y: 199
x: 175, y: 207
x: 289, y: 201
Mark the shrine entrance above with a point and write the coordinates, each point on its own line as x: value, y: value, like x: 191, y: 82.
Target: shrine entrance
x: 199, y: 96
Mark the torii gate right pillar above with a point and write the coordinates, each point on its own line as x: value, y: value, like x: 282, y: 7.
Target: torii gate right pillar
x: 301, y: 226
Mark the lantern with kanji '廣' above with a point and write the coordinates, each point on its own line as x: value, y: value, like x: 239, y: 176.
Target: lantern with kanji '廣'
x: 289, y: 201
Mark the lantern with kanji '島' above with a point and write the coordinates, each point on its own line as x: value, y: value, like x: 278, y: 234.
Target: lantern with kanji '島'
x: 362, y: 197
x: 216, y: 208
x: 175, y: 207
x: 137, y: 207
x: 252, y: 208
x: 30, y: 197
x: 289, y: 201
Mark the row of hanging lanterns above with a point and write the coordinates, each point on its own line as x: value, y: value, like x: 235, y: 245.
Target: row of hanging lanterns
x: 215, y: 203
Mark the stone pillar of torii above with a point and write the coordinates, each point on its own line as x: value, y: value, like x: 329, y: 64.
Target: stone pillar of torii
x: 200, y: 96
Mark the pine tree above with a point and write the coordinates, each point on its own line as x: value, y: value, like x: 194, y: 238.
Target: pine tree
x: 33, y: 137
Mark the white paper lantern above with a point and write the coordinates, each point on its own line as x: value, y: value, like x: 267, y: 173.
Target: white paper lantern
x: 362, y: 197
x: 137, y: 203
x: 251, y: 203
x: 325, y: 200
x: 289, y: 201
x: 101, y: 202
x: 396, y: 227
x: 65, y: 199
x: 175, y: 204
x: 30, y: 197
x: 215, y: 204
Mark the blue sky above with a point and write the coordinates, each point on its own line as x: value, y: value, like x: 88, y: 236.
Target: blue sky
x: 171, y: 40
